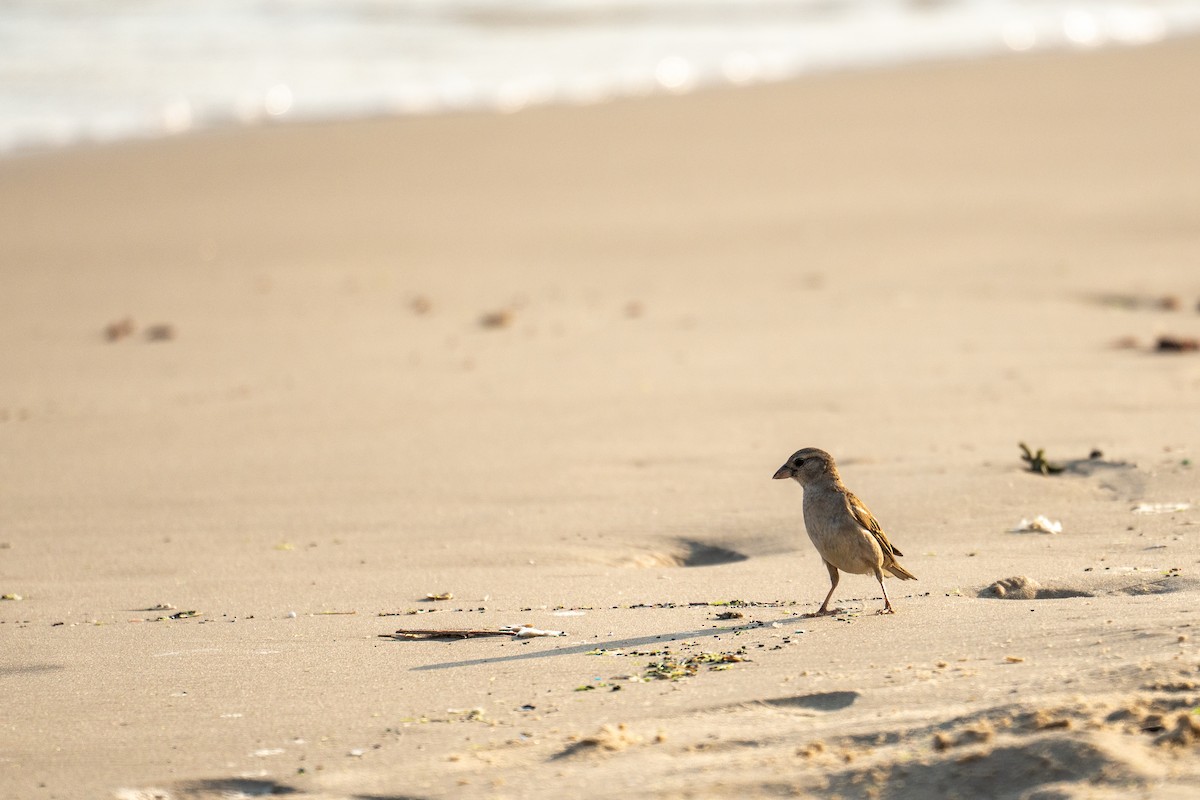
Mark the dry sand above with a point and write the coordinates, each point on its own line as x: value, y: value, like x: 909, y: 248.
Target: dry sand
x: 549, y: 362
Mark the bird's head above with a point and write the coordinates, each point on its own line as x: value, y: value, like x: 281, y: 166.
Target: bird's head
x: 807, y: 465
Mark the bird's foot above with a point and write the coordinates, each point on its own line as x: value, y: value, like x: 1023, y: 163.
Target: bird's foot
x: 887, y: 609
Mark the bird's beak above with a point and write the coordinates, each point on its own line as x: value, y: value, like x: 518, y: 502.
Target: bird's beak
x: 784, y: 472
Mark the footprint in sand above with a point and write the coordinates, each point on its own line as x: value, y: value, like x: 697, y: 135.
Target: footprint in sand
x: 684, y: 553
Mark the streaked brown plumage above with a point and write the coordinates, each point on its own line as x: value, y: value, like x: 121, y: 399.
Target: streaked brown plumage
x: 840, y: 526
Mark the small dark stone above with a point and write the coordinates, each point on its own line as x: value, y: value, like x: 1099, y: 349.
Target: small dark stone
x: 1176, y: 344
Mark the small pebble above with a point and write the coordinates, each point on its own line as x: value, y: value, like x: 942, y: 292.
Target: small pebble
x: 160, y: 333
x: 116, y: 331
x: 497, y: 319
x: 291, y: 615
x: 1176, y: 344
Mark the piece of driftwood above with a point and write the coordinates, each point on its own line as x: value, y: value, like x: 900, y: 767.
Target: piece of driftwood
x: 443, y: 633
x: 516, y: 631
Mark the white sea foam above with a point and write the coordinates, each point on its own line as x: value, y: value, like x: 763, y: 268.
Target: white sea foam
x: 92, y: 70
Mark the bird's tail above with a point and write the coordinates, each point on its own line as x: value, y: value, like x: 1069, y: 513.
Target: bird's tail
x: 894, y: 569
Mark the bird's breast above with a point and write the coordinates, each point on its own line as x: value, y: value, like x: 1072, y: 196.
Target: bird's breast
x: 837, y: 535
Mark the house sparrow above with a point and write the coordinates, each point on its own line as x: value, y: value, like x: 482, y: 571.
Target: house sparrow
x: 840, y: 526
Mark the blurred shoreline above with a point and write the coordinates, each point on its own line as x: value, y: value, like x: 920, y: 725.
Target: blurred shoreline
x: 145, y: 72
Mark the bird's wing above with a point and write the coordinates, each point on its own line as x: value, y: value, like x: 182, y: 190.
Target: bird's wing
x: 863, y: 516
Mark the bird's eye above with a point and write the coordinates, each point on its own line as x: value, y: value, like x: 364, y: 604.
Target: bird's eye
x: 799, y: 462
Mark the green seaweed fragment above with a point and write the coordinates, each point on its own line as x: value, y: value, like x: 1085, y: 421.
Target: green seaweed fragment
x: 1037, y: 461
x: 673, y: 669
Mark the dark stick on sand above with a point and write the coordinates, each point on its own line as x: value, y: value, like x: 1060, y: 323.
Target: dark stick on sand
x: 442, y: 633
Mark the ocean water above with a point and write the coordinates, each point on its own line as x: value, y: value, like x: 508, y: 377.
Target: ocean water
x: 81, y: 71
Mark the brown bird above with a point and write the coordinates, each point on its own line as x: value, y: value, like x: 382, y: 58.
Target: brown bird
x: 840, y: 526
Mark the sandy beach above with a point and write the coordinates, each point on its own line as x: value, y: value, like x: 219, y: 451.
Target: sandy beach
x: 265, y: 391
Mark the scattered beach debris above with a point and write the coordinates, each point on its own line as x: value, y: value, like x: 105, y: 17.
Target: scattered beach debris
x: 1039, y: 524
x: 160, y: 332
x: 412, y: 612
x: 729, y: 615
x: 671, y: 668
x: 1177, y: 344
x: 435, y: 596
x: 516, y: 631
x: 1014, y: 659
x: 476, y: 714
x: 121, y: 329
x: 335, y: 613
x: 498, y: 319
x: 1018, y: 587
x: 159, y: 607
x: 11, y: 597
x: 1038, y: 462
x: 185, y: 614
x: 712, y: 604
x: 591, y: 687
x: 291, y: 615
x: 1160, y: 508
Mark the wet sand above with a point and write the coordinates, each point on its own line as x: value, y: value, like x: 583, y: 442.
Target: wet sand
x: 548, y: 363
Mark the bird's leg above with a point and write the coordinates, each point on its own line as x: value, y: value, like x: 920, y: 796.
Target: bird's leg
x: 833, y: 582
x: 887, y: 602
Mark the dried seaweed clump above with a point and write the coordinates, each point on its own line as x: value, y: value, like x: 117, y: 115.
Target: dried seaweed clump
x: 671, y: 668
